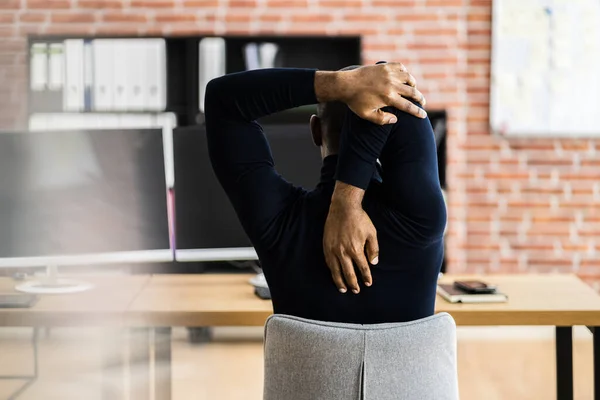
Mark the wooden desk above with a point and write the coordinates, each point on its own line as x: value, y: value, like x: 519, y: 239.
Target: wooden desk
x: 158, y: 302
x: 559, y: 300
x: 212, y: 300
x: 103, y: 305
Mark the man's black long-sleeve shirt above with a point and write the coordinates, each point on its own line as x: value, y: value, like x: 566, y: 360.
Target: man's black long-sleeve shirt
x: 285, y: 223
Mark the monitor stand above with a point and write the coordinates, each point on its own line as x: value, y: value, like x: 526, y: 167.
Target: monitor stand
x: 51, y: 284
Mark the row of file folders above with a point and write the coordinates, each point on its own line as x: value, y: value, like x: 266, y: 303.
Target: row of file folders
x: 102, y: 74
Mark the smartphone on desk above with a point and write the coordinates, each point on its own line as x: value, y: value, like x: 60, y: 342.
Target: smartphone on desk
x: 475, y: 287
x: 17, y: 300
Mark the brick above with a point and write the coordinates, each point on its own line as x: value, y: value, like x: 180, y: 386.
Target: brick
x: 479, y: 16
x: 237, y: 18
x: 550, y: 262
x: 10, y: 4
x: 7, y: 18
x: 304, y: 29
x: 48, y: 4
x: 35, y: 17
x: 200, y: 3
x: 389, y: 46
x: 471, y: 245
x: 438, y: 60
x: 70, y: 29
x: 362, y: 17
x: 532, y: 245
x: 479, y: 46
x: 270, y: 17
x: 33, y: 29
x: 575, y: 247
x: 436, y: 32
x: 576, y: 145
x: 175, y: 18
x: 7, y: 31
x: 396, y: 32
x: 541, y: 144
x: 445, y: 3
x: 479, y: 31
x: 242, y: 3
x: 117, y: 29
x: 357, y: 31
x: 394, y: 3
x: 287, y: 3
x: 429, y: 17
x: 549, y: 229
x: 13, y: 46
x: 429, y: 46
x: 550, y: 160
x: 191, y: 30
x: 341, y: 3
x: 72, y: 17
x: 312, y: 18
x: 100, y: 4
x: 153, y: 3
x: 120, y: 17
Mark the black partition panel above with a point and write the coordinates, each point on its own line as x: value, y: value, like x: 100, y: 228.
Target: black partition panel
x: 204, y: 215
x: 82, y: 192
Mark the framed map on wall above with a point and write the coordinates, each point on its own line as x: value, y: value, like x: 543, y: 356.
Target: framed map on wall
x: 545, y: 78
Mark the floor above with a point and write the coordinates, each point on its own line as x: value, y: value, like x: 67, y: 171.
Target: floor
x: 494, y: 364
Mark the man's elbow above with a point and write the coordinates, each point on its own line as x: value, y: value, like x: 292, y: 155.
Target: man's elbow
x: 212, y: 94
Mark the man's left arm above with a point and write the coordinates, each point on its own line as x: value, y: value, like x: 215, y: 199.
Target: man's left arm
x: 238, y: 149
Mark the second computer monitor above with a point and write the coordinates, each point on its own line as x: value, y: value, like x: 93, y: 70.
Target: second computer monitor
x: 205, y: 219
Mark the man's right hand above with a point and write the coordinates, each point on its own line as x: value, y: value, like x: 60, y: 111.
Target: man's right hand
x: 349, y: 239
x: 368, y: 89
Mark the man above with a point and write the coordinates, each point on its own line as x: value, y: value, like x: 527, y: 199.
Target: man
x: 287, y: 225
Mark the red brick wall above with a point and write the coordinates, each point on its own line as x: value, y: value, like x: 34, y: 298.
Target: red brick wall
x: 515, y: 205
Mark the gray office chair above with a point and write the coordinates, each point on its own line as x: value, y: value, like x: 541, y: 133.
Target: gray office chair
x: 311, y: 360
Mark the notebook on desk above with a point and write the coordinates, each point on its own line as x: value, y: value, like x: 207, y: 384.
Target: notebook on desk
x: 455, y: 295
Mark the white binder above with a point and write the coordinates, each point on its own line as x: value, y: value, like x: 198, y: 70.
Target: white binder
x: 155, y: 92
x: 104, y: 89
x: 136, y: 73
x: 120, y: 75
x: 39, y: 67
x: 73, y: 92
x: 56, y: 67
x: 211, y: 63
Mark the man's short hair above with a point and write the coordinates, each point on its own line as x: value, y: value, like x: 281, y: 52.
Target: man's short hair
x: 331, y: 115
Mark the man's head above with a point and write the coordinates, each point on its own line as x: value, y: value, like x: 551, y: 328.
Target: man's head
x: 326, y: 125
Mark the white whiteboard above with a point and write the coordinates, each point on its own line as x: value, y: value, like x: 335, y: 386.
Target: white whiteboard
x: 545, y: 75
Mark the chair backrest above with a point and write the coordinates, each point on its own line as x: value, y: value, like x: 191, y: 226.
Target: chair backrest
x: 313, y: 360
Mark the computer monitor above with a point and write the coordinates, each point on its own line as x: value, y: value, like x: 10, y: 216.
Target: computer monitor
x: 207, y: 228
x: 82, y: 197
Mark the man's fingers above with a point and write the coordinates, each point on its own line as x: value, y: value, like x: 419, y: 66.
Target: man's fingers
x: 379, y: 117
x: 336, y: 274
x: 396, y: 65
x: 363, y: 267
x: 411, y: 92
x: 349, y: 275
x: 407, y: 106
x: 386, y: 118
x: 373, y: 249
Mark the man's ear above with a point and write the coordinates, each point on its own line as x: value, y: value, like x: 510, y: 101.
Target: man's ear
x: 315, y: 130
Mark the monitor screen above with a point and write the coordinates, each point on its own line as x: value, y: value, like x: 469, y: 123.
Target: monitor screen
x: 82, y: 192
x: 205, y: 218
